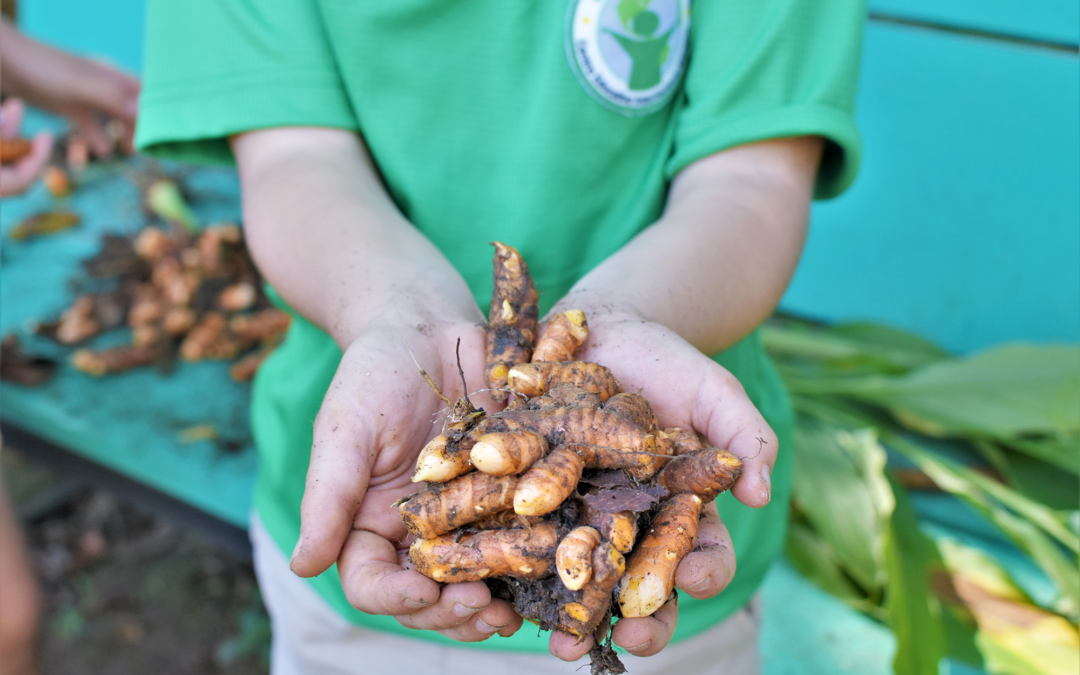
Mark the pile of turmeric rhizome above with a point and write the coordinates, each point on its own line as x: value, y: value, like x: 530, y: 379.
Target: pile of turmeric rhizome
x: 571, y: 503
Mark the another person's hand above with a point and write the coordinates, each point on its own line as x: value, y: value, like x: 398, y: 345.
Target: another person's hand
x: 88, y: 93
x: 376, y: 416
x: 17, y: 177
x: 686, y: 389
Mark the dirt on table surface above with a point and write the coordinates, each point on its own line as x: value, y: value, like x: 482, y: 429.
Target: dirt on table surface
x: 128, y: 593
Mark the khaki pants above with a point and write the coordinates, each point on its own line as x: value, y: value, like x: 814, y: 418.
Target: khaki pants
x: 310, y: 638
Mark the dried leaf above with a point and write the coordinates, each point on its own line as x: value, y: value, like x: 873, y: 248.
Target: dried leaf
x: 47, y: 222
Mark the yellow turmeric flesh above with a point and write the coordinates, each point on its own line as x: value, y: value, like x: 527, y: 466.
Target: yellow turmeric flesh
x: 521, y: 553
x: 502, y: 454
x: 534, y: 379
x: 512, y: 319
x: 618, y: 528
x: 573, y: 558
x: 438, y: 464
x: 581, y: 618
x: 562, y: 336
x: 463, y: 500
x: 545, y: 486
x: 650, y: 571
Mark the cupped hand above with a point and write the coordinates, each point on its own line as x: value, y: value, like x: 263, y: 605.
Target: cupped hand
x: 686, y: 389
x: 377, y: 415
x: 19, y: 176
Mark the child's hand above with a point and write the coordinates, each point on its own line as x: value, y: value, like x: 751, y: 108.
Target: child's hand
x: 89, y: 93
x: 376, y: 416
x: 686, y: 389
x: 17, y: 177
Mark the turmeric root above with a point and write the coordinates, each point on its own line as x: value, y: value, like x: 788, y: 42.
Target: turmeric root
x: 635, y: 408
x: 573, y: 557
x: 57, y: 182
x: 438, y: 464
x: 650, y: 571
x: 562, y: 336
x: 152, y: 244
x: 178, y: 321
x: 534, y: 379
x: 706, y: 473
x: 523, y: 554
x: 145, y: 336
x: 581, y: 618
x: 562, y: 396
x: 502, y: 454
x: 463, y: 500
x: 176, y: 284
x: 14, y: 149
x: 209, y: 340
x: 78, y: 322
x: 244, y: 370
x: 261, y: 326
x: 512, y: 319
x: 619, y: 528
x: 684, y: 440
x: 580, y: 425
x: 504, y: 520
x: 115, y: 360
x: 147, y: 308
x: 548, y: 483
x: 238, y: 297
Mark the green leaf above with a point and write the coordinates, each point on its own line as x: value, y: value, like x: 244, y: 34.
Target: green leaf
x: 840, y: 488
x: 1044, y: 483
x: 1003, y: 393
x: 913, y: 611
x: 1063, y: 452
x: 988, y: 497
x: 813, y: 558
x: 850, y: 347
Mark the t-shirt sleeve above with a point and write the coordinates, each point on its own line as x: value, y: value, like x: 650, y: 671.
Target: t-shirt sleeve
x: 215, y: 68
x: 762, y: 69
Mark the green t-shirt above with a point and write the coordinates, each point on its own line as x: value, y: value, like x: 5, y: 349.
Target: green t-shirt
x: 553, y: 125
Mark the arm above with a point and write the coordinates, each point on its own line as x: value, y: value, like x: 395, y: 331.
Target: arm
x: 325, y: 234
x: 697, y: 281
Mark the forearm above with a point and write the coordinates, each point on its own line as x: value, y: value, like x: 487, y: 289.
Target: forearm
x: 328, y: 238
x: 716, y: 263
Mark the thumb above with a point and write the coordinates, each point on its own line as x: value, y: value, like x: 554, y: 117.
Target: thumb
x: 725, y: 414
x: 342, y: 455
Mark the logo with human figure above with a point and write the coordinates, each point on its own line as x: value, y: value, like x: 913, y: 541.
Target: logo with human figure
x: 629, y: 54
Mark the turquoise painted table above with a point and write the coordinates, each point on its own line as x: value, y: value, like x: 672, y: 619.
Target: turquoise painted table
x: 132, y: 422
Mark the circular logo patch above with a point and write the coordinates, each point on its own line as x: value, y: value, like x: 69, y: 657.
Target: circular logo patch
x: 629, y: 54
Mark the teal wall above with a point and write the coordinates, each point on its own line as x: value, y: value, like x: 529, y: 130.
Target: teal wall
x: 112, y: 29
x: 964, y: 224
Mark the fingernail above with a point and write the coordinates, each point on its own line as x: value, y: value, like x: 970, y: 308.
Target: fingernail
x: 462, y: 610
x: 295, y: 551
x: 414, y: 604
x: 699, y: 586
x: 768, y: 483
x: 639, y: 647
x: 484, y: 627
